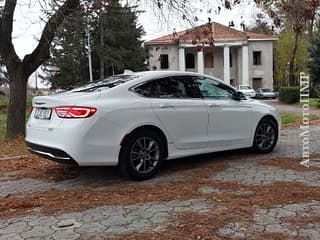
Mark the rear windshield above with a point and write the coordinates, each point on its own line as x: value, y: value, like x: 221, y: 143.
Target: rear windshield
x: 107, y: 83
x: 266, y: 90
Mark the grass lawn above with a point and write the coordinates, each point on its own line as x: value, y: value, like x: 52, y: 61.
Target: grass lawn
x: 288, y: 118
x: 314, y: 102
x: 3, y: 124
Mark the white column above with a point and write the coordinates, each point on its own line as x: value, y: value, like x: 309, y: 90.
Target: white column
x: 200, y: 62
x: 226, y: 67
x: 182, y: 59
x: 245, y: 65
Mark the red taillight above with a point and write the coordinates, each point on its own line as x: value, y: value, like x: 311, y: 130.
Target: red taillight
x: 30, y: 109
x: 75, y: 112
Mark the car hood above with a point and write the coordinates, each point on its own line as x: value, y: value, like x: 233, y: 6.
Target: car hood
x: 67, y: 98
x: 260, y: 103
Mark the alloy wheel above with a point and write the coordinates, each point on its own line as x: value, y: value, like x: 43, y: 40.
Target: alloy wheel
x: 144, y: 154
x: 265, y: 136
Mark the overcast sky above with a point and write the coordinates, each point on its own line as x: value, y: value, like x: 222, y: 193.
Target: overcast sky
x: 28, y: 26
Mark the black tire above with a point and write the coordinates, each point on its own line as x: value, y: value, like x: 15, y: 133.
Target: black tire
x: 142, y: 155
x: 266, y: 136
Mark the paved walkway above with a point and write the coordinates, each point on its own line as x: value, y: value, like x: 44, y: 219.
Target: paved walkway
x: 291, y: 108
x: 112, y: 220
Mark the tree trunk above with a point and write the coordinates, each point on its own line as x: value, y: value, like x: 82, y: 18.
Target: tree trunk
x: 16, y: 117
x: 292, y: 61
x: 310, y: 30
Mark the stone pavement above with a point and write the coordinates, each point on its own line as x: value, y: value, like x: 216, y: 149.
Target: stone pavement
x: 156, y: 216
x: 274, y: 221
x: 99, y: 221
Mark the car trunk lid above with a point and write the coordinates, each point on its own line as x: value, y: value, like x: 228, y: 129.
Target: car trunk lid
x: 43, y: 116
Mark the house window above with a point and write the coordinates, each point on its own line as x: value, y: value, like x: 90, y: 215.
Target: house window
x: 164, y: 59
x: 190, y: 61
x: 209, y: 60
x: 230, y: 59
x: 257, y: 58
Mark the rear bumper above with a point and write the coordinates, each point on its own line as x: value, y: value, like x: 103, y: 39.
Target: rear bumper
x: 53, y: 154
x: 85, y: 141
x: 249, y: 94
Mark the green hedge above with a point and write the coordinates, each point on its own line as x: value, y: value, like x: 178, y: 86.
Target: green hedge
x: 289, y: 94
x: 315, y: 91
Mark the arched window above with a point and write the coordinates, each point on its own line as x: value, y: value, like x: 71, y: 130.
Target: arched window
x: 190, y: 61
x: 208, y: 60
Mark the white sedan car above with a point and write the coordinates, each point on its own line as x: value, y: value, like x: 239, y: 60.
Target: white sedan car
x: 246, y: 90
x: 138, y: 120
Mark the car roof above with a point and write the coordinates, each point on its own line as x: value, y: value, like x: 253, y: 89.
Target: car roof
x: 163, y: 73
x: 142, y: 76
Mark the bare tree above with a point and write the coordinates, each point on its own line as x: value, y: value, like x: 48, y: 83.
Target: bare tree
x: 18, y: 69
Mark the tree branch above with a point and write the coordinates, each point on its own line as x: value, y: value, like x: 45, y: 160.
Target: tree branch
x: 7, y: 50
x: 42, y: 52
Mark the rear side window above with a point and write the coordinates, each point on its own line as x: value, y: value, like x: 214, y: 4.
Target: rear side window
x: 170, y: 87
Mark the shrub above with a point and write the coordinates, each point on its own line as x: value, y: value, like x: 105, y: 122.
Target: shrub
x: 289, y: 94
x: 315, y: 91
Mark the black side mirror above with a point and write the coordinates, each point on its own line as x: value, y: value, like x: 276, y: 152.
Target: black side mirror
x: 238, y: 96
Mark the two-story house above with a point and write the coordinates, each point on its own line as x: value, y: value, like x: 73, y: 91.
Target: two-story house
x: 239, y: 58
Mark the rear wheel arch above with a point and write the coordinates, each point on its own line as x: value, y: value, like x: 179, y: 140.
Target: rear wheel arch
x: 151, y: 128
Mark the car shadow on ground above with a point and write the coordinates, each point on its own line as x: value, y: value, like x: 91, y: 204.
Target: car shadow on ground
x: 170, y: 171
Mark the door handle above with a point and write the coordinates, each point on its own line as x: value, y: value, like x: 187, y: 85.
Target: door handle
x: 166, y: 106
x: 213, y: 105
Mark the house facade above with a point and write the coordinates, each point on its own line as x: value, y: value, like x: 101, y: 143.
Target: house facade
x: 239, y: 58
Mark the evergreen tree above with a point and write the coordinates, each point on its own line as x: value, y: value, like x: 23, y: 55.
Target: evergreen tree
x: 117, y: 41
x: 68, y: 65
x: 115, y: 44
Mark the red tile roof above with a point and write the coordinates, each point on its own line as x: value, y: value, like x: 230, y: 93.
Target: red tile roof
x: 223, y: 32
x: 171, y: 38
x: 252, y: 35
x: 220, y: 33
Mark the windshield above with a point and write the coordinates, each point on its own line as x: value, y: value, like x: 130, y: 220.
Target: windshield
x: 107, y: 83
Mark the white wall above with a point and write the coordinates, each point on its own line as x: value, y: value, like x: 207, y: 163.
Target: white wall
x: 173, y: 55
x: 217, y: 70
x: 265, y: 70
